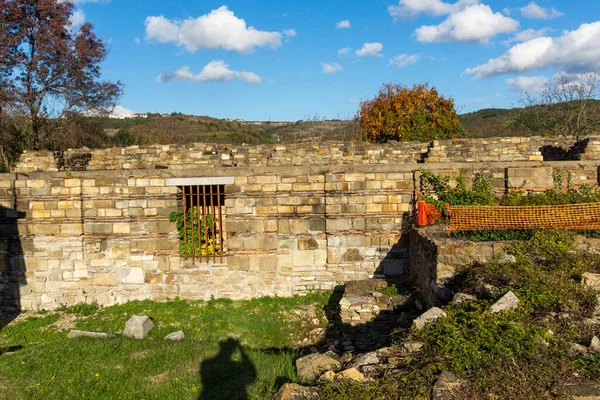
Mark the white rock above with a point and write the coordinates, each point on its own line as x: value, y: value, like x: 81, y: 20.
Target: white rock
x: 138, y: 327
x: 462, y: 297
x: 595, y: 345
x: 429, y: 316
x: 74, y: 333
x: 507, y: 302
x: 179, y: 335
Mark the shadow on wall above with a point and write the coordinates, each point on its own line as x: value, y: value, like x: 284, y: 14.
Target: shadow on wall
x: 557, y: 153
x: 12, y: 266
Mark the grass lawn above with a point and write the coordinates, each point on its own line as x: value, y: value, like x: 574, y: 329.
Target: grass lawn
x: 232, y: 349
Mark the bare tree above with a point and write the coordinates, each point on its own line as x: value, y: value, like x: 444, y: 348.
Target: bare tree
x: 56, y: 69
x: 568, y: 106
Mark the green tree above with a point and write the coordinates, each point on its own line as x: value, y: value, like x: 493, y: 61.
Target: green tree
x: 408, y: 114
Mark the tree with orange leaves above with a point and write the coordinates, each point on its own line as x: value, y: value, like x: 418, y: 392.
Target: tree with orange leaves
x: 408, y: 114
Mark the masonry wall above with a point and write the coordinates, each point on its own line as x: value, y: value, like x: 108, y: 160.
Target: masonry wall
x: 93, y: 225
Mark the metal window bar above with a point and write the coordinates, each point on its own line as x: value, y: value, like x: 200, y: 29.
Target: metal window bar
x: 203, y: 222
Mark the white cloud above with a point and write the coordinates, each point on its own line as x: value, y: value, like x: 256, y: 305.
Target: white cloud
x: 353, y: 100
x: 77, y: 18
x: 404, y: 59
x: 289, y: 32
x: 530, y: 84
x: 213, y: 71
x: 76, y: 2
x: 476, y: 23
x: 532, y: 10
x: 345, y: 24
x: 344, y: 52
x: 218, y: 29
x: 578, y: 49
x: 137, y: 40
x: 411, y: 8
x: 331, y: 68
x: 528, y: 34
x: 370, y: 50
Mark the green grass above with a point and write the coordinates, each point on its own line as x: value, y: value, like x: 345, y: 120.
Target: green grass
x: 232, y: 349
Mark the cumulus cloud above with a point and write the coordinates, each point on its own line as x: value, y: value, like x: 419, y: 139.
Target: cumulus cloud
x: 476, y: 23
x: 213, y: 71
x: 137, y: 40
x: 77, y: 18
x: 289, y: 32
x: 345, y: 24
x: 218, y: 29
x: 120, y: 110
x: 532, y: 10
x: 576, y: 50
x: 528, y: 34
x: 530, y: 84
x: 370, y: 50
x: 331, y: 68
x: 404, y: 59
x: 412, y: 8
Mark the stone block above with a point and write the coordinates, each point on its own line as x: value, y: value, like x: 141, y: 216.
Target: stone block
x: 138, y: 327
x: 105, y: 280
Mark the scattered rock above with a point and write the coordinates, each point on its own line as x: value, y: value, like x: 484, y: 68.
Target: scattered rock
x: 179, y: 335
x: 577, y: 348
x: 317, y: 336
x: 350, y: 374
x: 345, y: 358
x: 507, y: 302
x: 581, y: 390
x: 595, y: 345
x: 364, y: 359
x: 489, y: 291
x: 312, y: 366
x: 412, y: 346
x: 332, y: 354
x: 460, y: 298
x: 293, y: 391
x: 138, y: 327
x: 428, y: 316
x: 328, y: 376
x: 447, y: 387
x: 507, y: 258
x: 74, y: 333
x: 591, y: 280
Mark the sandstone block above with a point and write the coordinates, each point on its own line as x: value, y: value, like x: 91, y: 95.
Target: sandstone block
x: 310, y: 367
x: 293, y: 391
x: 507, y: 302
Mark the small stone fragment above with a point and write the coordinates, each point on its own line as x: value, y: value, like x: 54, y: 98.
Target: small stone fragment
x: 328, y: 376
x: 412, y: 346
x: 595, y: 345
x: 74, y: 333
x: 138, y: 327
x: 581, y: 389
x: 577, y: 348
x: 350, y: 374
x: 179, y: 335
x: 332, y: 354
x: 447, y: 387
x: 592, y: 280
x: 293, y: 391
x: 316, y: 336
x: 429, y: 316
x: 507, y: 302
x: 310, y: 367
x: 507, y: 258
x: 364, y: 359
x: 460, y: 298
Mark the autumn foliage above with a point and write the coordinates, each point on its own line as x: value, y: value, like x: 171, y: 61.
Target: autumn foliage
x: 408, y: 114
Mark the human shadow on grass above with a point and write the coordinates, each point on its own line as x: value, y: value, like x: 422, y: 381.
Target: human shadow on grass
x: 228, y: 374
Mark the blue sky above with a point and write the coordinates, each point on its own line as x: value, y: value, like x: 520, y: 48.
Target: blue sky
x: 278, y: 60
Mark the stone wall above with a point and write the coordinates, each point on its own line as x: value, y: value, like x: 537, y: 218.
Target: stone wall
x: 93, y: 225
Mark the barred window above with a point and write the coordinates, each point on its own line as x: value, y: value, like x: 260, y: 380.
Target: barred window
x: 200, y: 219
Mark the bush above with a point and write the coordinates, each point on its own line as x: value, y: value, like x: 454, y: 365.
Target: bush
x: 408, y: 114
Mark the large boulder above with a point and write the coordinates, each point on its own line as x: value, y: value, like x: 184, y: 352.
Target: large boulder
x: 429, y: 316
x: 507, y: 302
x: 293, y: 391
x: 138, y: 327
x: 310, y: 367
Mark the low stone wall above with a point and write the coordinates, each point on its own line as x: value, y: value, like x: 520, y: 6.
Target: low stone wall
x: 101, y: 232
x: 435, y: 259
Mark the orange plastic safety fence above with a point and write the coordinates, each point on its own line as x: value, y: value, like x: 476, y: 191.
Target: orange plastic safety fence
x: 582, y: 216
x: 427, y: 214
